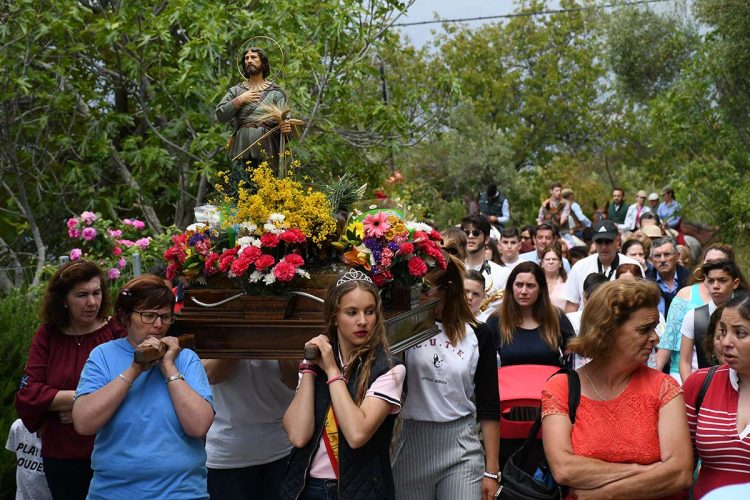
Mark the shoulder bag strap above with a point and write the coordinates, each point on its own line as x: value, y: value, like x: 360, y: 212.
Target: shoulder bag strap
x: 704, y: 389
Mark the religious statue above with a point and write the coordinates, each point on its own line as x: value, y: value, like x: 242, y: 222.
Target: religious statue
x: 247, y: 105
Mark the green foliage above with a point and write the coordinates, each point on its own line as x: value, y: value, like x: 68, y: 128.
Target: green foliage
x: 19, y: 313
x: 647, y: 50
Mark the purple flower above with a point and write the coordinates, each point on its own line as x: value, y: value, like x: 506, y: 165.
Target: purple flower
x: 138, y: 224
x: 75, y: 254
x: 72, y: 222
x: 127, y: 222
x: 393, y: 246
x: 114, y: 233
x: 113, y: 273
x: 194, y: 239
x: 143, y: 243
x: 89, y: 233
x: 126, y: 243
x: 122, y: 263
x: 74, y: 232
x: 88, y: 217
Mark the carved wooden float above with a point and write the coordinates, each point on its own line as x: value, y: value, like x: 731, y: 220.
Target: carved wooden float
x: 270, y: 327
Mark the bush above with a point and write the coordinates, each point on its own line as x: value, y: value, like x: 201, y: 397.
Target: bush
x: 19, y: 319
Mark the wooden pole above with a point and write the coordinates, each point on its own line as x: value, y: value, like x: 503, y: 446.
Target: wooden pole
x: 144, y: 355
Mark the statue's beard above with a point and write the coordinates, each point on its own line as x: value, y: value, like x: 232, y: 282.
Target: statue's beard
x: 251, y: 70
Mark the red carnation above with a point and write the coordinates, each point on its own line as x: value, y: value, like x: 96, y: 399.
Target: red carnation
x: 417, y: 267
x: 436, y: 236
x: 294, y: 259
x: 379, y: 279
x: 227, y: 256
x: 239, y: 266
x: 172, y: 270
x: 117, y: 251
x: 293, y: 235
x: 284, y: 271
x: 264, y: 261
x: 251, y: 253
x: 406, y: 248
x: 269, y: 240
x: 210, y: 264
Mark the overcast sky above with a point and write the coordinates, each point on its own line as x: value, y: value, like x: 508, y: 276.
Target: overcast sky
x: 424, y: 10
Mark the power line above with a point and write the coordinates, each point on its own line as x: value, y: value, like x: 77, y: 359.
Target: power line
x: 531, y: 14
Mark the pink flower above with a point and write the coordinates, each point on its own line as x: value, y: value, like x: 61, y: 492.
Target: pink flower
x: 122, y: 263
x: 226, y: 258
x: 89, y: 233
x: 376, y: 225
x: 127, y: 243
x: 143, y: 243
x: 113, y: 273
x: 239, y: 266
x: 386, y: 258
x: 417, y: 267
x: 210, y: 264
x: 294, y: 259
x: 88, y: 217
x: 251, y: 253
x: 284, y: 271
x: 293, y: 235
x: 264, y: 261
x: 127, y: 222
x: 269, y: 240
x: 74, y: 232
x: 114, y: 233
x: 138, y: 224
x: 203, y: 247
x: 72, y: 222
x: 76, y: 254
x: 117, y: 251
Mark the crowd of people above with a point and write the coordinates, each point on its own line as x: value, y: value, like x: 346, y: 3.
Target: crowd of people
x: 660, y: 346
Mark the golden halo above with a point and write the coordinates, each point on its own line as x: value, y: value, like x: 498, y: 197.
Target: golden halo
x: 262, y: 42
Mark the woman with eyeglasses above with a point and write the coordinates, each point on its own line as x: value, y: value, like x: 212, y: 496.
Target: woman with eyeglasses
x: 75, y: 320
x: 149, y: 422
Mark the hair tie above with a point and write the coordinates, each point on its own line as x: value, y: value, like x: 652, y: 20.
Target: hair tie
x: 126, y: 292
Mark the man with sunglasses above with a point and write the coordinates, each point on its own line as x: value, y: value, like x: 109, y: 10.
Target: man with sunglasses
x: 477, y: 230
x: 604, y: 261
x: 547, y: 235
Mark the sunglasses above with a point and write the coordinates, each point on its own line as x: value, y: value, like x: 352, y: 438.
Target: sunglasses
x: 473, y: 232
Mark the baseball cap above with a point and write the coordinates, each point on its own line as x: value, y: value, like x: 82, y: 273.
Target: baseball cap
x: 605, y: 230
x: 653, y: 197
x: 652, y: 231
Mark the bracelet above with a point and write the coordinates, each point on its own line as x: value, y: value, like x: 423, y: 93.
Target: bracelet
x: 179, y: 376
x: 334, y: 379
x: 306, y: 366
x: 490, y: 475
x: 311, y: 372
x: 130, y: 384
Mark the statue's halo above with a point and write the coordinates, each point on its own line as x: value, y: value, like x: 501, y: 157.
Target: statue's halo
x: 275, y: 58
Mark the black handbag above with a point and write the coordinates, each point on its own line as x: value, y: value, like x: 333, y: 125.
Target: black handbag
x: 526, y: 475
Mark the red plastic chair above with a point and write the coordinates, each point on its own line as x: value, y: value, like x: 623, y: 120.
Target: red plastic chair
x: 520, y: 387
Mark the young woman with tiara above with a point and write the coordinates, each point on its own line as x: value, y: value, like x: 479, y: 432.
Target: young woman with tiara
x: 340, y: 421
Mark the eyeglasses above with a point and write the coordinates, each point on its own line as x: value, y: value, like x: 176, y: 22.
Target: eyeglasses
x: 665, y: 255
x: 150, y: 317
x: 474, y: 232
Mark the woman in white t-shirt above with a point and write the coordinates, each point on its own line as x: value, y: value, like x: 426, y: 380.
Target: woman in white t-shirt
x: 452, y: 381
x: 340, y: 421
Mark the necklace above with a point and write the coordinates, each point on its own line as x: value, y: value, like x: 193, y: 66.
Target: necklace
x: 78, y: 339
x: 586, y: 372
x: 257, y: 87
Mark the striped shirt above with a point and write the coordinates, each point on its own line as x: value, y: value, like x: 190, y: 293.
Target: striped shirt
x: 724, y: 452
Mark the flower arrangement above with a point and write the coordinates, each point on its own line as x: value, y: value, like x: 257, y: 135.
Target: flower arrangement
x: 392, y: 249
x: 108, y: 244
x: 265, y: 237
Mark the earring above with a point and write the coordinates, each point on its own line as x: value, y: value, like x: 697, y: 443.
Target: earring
x: 65, y: 306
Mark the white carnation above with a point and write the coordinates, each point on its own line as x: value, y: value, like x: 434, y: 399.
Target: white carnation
x: 269, y: 279
x: 255, y: 276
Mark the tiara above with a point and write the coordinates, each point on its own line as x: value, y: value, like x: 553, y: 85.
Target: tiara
x: 353, y: 275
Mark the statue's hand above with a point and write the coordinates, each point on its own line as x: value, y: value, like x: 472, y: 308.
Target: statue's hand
x: 250, y: 97
x: 285, y: 128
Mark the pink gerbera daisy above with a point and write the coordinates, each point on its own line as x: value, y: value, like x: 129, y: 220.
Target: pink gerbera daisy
x: 376, y: 225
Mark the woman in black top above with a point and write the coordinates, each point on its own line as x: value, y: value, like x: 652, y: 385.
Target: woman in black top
x: 530, y: 330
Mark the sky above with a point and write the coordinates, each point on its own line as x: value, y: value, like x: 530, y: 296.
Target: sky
x: 424, y: 10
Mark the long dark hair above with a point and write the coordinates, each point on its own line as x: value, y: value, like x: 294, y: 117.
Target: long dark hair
x: 54, y: 312
x: 544, y: 312
x: 456, y: 312
x: 363, y: 357
x: 265, y: 66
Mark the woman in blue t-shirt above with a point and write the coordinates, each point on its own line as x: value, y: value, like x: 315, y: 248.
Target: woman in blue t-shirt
x: 149, y: 422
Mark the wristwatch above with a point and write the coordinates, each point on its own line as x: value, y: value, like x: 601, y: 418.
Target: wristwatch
x: 179, y: 376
